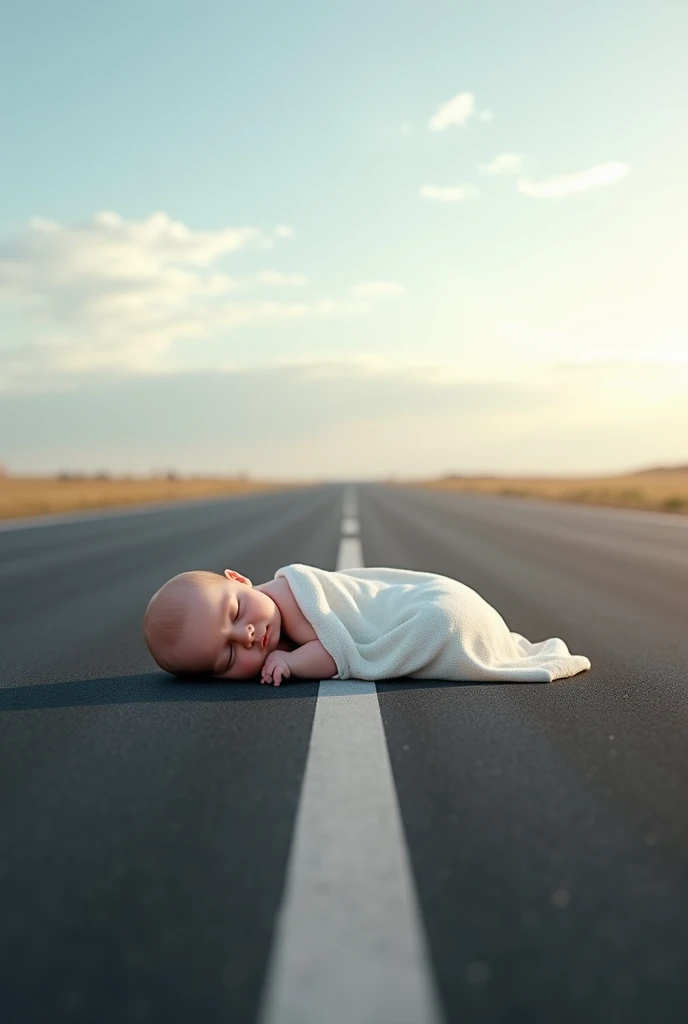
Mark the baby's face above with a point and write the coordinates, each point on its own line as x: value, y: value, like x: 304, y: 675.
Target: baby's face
x: 230, y: 630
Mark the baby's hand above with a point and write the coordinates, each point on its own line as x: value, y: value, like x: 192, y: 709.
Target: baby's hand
x: 275, y: 668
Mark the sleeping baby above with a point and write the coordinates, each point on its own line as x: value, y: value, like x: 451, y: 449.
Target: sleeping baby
x: 366, y: 623
x: 223, y: 626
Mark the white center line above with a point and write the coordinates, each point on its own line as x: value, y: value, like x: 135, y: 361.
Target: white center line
x: 350, y: 947
x: 350, y: 526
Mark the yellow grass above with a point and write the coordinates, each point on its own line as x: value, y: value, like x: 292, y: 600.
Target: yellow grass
x: 660, y: 490
x: 32, y: 496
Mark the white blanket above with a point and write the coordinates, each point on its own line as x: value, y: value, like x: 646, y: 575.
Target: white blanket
x: 380, y: 623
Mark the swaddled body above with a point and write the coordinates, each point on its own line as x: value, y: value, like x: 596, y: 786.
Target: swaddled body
x: 381, y: 623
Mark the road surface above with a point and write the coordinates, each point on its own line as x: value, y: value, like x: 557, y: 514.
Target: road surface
x: 533, y: 837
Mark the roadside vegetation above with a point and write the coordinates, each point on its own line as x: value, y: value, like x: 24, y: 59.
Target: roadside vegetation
x: 661, y: 490
x: 68, y: 492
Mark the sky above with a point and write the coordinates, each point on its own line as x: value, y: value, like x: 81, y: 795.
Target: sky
x: 343, y: 240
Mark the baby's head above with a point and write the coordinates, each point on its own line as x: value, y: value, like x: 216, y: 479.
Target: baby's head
x: 201, y: 622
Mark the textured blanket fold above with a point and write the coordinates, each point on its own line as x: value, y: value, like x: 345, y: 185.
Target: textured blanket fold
x: 380, y: 623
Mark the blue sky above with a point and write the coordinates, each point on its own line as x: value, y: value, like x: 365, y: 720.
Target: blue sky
x: 343, y: 239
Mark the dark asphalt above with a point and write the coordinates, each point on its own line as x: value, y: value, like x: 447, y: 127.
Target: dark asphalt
x: 145, y: 823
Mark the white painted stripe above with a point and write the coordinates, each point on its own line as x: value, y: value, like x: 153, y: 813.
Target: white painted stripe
x: 350, y: 526
x: 350, y: 946
x: 350, y: 553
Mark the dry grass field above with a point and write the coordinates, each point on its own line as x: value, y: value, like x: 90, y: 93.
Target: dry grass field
x: 662, y: 490
x: 33, y: 496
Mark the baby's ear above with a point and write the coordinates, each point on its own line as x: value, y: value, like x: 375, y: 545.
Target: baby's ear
x: 232, y: 575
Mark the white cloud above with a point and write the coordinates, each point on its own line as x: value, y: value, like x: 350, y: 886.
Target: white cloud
x: 115, y: 294
x: 284, y: 231
x: 52, y: 266
x: 405, y: 128
x: 457, y: 111
x: 369, y: 365
x: 505, y: 163
x: 450, y: 194
x: 377, y: 288
x: 579, y: 181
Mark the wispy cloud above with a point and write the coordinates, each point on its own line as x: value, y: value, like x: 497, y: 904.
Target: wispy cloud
x: 116, y: 294
x: 457, y: 111
x: 579, y: 181
x: 284, y: 231
x: 449, y: 194
x: 405, y: 128
x: 504, y: 163
x: 377, y: 288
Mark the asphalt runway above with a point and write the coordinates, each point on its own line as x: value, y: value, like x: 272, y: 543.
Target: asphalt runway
x: 145, y: 823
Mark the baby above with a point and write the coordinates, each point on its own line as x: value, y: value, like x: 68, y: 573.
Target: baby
x: 367, y: 623
x: 223, y: 626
